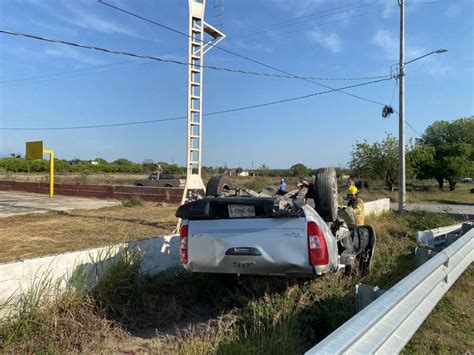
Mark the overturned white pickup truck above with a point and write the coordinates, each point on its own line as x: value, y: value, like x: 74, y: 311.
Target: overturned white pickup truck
x: 244, y: 232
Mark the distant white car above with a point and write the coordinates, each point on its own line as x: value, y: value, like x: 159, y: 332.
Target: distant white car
x: 467, y: 181
x: 244, y: 232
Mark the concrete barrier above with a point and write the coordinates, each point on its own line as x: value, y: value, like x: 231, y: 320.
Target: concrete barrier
x: 159, y: 253
x: 377, y: 206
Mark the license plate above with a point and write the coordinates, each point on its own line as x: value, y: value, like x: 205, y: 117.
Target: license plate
x: 240, y: 211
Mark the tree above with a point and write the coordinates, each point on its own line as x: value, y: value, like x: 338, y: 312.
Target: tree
x: 299, y: 170
x: 149, y: 165
x: 377, y: 160
x: 123, y: 161
x: 445, y: 151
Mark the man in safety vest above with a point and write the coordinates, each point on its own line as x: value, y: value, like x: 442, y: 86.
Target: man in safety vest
x: 356, y: 204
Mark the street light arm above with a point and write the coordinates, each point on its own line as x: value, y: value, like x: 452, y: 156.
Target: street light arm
x: 441, y: 50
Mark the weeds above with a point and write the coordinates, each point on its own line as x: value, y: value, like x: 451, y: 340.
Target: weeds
x: 44, y: 324
x: 133, y: 202
x: 420, y: 220
x: 256, y: 315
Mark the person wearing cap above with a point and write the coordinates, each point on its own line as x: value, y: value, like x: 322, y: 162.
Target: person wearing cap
x: 357, y: 204
x: 282, y: 187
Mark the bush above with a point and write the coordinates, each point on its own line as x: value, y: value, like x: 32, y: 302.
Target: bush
x: 133, y: 202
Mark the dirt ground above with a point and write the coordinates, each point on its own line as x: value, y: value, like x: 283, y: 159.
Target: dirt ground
x: 34, y: 235
x: 14, y: 203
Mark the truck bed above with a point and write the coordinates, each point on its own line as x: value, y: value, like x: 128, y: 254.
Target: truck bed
x: 249, y: 246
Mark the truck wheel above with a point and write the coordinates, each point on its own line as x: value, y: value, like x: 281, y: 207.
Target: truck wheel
x: 139, y: 185
x: 325, y: 189
x: 168, y: 185
x: 217, y: 184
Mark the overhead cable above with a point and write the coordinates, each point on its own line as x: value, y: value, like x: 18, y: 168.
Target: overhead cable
x: 321, y: 14
x: 175, y: 61
x: 287, y: 74
x: 311, y: 80
x: 214, y: 113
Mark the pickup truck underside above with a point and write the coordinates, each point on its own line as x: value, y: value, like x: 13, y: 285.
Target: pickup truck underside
x: 245, y: 232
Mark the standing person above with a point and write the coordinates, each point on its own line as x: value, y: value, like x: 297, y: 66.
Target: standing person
x: 282, y: 187
x: 357, y: 204
x: 350, y: 182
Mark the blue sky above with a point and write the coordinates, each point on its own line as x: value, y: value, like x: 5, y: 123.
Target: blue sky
x: 50, y: 85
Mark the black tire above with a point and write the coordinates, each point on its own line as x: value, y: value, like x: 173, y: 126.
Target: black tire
x: 217, y: 184
x: 139, y: 185
x: 168, y: 185
x: 325, y: 191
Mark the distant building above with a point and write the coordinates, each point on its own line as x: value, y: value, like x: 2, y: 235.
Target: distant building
x: 78, y: 161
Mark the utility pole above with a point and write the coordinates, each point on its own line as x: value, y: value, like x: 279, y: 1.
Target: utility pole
x: 401, y: 113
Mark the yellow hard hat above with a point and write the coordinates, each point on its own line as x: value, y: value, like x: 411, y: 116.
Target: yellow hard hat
x: 352, y: 190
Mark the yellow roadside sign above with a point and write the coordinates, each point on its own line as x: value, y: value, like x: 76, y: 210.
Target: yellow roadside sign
x: 34, y: 150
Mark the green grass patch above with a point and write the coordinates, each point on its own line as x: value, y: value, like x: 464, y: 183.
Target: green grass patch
x: 133, y: 202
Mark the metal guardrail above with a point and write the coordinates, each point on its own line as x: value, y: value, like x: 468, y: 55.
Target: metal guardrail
x: 387, y: 324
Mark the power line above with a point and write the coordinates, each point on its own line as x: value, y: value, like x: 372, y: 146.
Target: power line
x: 320, y: 25
x: 311, y: 80
x: 174, y: 61
x: 406, y: 121
x: 69, y: 74
x: 306, y: 18
x: 184, y: 117
x: 230, y: 52
x: 413, y: 129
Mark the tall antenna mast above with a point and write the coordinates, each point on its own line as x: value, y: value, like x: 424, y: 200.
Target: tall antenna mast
x: 198, y: 46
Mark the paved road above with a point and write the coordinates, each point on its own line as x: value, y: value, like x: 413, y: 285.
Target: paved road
x: 14, y: 203
x: 438, y: 208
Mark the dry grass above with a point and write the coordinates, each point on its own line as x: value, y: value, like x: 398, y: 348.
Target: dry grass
x: 461, y: 195
x: 258, y: 315
x: 450, y: 327
x: 35, y: 235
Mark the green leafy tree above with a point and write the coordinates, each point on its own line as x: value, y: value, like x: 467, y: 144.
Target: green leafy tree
x: 299, y: 170
x: 123, y: 161
x: 149, y: 165
x: 445, y: 151
x: 377, y: 161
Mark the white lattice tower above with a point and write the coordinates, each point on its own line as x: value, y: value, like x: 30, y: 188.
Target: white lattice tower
x: 198, y: 46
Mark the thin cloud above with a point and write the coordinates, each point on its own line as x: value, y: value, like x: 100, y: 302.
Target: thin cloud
x: 78, y: 13
x: 302, y: 7
x: 331, y: 41
x: 71, y: 53
x: 389, y: 43
x: 88, y: 20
